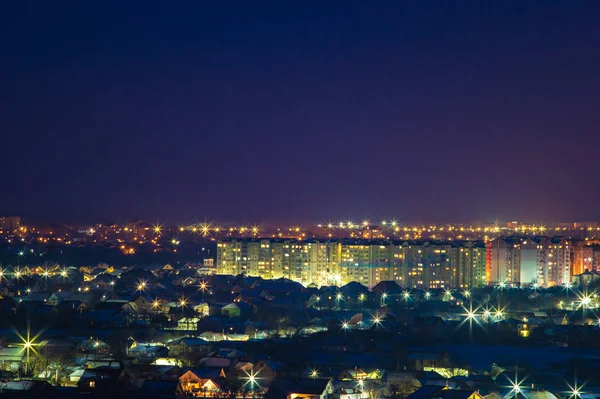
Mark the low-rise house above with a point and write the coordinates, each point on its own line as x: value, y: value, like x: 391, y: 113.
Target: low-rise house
x: 231, y: 310
x: 31, y: 387
x: 188, y: 323
x: 297, y: 388
x: 147, y: 351
x: 11, y: 357
x: 194, y: 347
x: 428, y: 360
x: 138, y: 373
x: 203, y: 309
x: 203, y: 381
x: 268, y: 369
x: 101, y: 380
x: 349, y: 393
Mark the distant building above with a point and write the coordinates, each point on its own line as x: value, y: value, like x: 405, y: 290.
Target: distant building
x: 10, y: 222
x: 585, y: 256
x: 586, y: 278
x: 522, y: 261
x: 413, y: 264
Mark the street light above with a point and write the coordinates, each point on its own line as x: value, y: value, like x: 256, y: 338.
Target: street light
x: 338, y: 298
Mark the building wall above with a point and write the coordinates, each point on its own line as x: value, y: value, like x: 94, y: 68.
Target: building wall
x: 527, y: 260
x: 423, y: 264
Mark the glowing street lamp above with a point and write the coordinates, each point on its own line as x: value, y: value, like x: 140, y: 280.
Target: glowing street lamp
x: 427, y: 295
x: 499, y: 314
x: 28, y: 343
x: 252, y: 379
x: 314, y: 373
x: 516, y: 385
x: 377, y: 321
x: 141, y: 286
x: 361, y: 297
x: 574, y: 391
x: 203, y: 286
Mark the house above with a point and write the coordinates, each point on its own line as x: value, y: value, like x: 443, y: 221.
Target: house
x: 203, y: 381
x: 142, y: 304
x: 188, y: 323
x: 202, y: 309
x: 147, y: 351
x: 586, y: 278
x: 231, y: 310
x: 349, y: 393
x: 138, y: 373
x: 37, y: 387
x: 428, y: 361
x: 100, y: 380
x: 300, y: 388
x: 11, y: 357
x: 268, y: 369
x: 353, y: 374
x: 194, y: 347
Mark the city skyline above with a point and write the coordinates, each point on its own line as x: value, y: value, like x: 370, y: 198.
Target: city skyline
x: 285, y: 113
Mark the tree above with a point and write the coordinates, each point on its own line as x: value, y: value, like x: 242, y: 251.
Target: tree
x: 402, y: 389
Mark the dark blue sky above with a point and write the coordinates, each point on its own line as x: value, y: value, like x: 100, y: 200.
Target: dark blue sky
x: 293, y: 111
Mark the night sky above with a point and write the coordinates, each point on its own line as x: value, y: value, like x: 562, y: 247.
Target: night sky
x: 300, y: 111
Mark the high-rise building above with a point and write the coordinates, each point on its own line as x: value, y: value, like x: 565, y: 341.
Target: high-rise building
x: 10, y: 222
x: 412, y: 264
x: 522, y: 261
